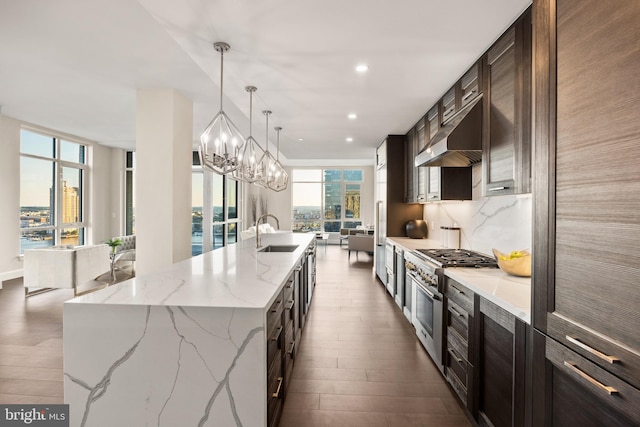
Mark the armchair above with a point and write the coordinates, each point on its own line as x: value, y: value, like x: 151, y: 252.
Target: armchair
x: 360, y: 242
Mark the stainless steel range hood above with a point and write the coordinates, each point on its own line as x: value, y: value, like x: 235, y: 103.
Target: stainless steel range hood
x: 458, y: 142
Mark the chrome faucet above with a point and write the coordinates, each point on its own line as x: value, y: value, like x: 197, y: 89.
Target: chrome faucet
x: 258, y: 229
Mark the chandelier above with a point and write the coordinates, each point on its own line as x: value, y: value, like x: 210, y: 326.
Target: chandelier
x: 281, y: 177
x: 250, y: 167
x: 221, y: 142
x: 268, y: 161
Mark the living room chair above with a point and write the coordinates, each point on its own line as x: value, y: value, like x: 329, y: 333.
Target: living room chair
x: 360, y: 242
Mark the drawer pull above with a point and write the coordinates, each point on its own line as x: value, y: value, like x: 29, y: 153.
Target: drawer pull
x: 276, y: 336
x: 289, y: 305
x: 497, y: 188
x: 455, y: 356
x: 456, y: 312
x: 276, y: 306
x: 464, y: 98
x: 457, y: 290
x: 276, y: 394
x: 605, y: 357
x: 293, y: 344
x: 607, y: 389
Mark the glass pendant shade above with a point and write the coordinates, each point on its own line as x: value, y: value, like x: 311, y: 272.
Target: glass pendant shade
x: 281, y: 177
x: 221, y: 142
x: 250, y: 168
x: 268, y: 161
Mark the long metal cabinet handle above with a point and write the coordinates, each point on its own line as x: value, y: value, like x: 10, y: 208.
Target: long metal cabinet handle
x: 605, y: 357
x: 277, y: 306
x: 456, y: 312
x: 455, y: 356
x: 497, y: 188
x: 464, y: 98
x: 607, y: 389
x: 276, y: 336
x: 276, y: 394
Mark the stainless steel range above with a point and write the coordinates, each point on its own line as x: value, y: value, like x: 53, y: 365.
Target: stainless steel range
x: 425, y: 268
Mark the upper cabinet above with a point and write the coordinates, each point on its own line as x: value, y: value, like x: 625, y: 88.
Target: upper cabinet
x: 506, y: 134
x: 470, y: 86
x: 416, y: 187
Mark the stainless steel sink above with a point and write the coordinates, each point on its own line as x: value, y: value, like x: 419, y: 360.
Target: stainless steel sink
x: 278, y: 248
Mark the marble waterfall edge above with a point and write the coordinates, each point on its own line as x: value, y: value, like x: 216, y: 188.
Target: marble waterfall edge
x: 135, y: 365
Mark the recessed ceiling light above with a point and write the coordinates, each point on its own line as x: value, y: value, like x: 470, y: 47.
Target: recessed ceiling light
x: 301, y: 139
x: 349, y: 139
x: 352, y: 116
x: 362, y: 68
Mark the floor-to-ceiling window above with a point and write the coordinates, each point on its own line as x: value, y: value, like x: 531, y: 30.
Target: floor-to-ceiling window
x: 129, y: 193
x: 214, y: 210
x: 326, y: 199
x: 52, y: 176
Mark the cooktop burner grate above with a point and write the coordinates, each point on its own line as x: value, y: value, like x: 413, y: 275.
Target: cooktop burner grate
x: 457, y: 258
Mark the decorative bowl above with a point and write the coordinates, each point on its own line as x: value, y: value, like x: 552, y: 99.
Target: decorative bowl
x: 514, y: 265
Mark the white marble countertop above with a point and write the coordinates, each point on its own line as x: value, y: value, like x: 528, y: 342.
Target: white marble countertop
x: 234, y: 276
x: 509, y: 292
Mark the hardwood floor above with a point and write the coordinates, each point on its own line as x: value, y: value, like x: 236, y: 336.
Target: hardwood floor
x: 359, y: 362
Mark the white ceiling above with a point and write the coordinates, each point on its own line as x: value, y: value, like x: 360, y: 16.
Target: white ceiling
x: 74, y: 65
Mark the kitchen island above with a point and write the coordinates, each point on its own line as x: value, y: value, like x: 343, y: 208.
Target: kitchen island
x: 183, y: 346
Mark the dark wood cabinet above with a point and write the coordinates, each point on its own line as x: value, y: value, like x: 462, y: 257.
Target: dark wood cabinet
x: 577, y: 392
x: 586, y: 224
x: 459, y: 348
x: 275, y: 373
x: 471, y: 84
x: 506, y: 155
x: 416, y: 182
x: 448, y: 183
x: 501, y: 368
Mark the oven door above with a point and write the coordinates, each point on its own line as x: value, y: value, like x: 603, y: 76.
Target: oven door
x: 427, y: 319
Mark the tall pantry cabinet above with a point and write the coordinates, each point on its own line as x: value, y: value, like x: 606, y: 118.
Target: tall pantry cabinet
x: 586, y: 281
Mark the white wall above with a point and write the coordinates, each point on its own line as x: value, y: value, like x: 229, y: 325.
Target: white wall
x: 10, y: 264
x: 501, y: 222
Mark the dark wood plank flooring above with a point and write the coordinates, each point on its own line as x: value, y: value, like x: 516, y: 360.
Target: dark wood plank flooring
x: 359, y: 362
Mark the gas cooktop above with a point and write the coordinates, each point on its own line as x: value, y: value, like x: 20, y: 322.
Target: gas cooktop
x: 456, y: 258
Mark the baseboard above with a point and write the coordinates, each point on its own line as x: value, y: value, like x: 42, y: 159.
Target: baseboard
x: 8, y: 275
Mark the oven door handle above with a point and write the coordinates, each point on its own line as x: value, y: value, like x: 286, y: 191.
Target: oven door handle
x: 428, y: 292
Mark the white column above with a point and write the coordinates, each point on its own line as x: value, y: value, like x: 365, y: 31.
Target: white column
x: 164, y: 135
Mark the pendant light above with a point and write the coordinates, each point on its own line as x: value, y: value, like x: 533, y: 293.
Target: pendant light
x: 221, y: 142
x: 281, y: 178
x: 250, y: 168
x: 268, y: 161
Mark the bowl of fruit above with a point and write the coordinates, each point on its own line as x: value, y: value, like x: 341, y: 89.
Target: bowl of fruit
x: 517, y: 263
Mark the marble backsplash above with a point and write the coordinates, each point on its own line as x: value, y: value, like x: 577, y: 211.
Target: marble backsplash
x: 501, y: 222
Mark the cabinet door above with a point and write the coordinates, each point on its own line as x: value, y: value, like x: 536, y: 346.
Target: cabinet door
x: 420, y: 173
x: 470, y: 84
x: 507, y: 112
x: 501, y: 366
x: 449, y: 107
x: 571, y: 391
x: 587, y: 294
x: 433, y: 183
x: 410, y: 195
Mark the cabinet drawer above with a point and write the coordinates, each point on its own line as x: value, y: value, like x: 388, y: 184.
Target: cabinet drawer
x: 275, y: 393
x: 459, y: 294
x: 457, y: 373
x: 274, y: 344
x: 600, y: 394
x: 288, y: 289
x: 595, y: 347
x: 289, y: 310
x: 274, y: 315
x: 458, y: 319
x: 458, y: 343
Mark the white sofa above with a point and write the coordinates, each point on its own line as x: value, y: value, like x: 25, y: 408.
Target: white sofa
x: 64, y: 267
